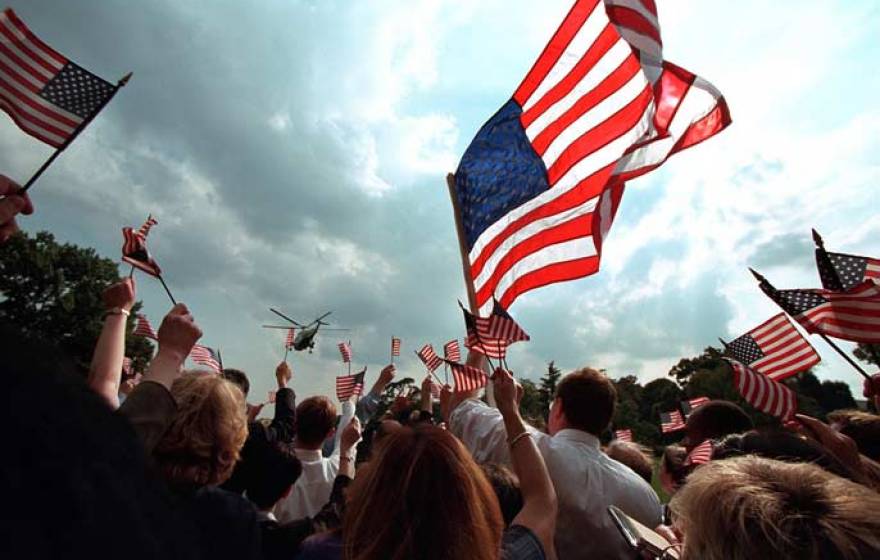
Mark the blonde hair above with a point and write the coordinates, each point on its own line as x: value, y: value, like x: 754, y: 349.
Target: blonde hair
x: 750, y: 507
x: 202, y: 444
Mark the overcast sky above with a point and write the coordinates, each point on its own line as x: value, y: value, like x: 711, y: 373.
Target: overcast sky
x: 294, y: 153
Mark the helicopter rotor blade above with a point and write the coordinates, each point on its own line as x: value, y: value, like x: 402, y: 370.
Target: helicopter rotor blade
x: 285, y: 317
x: 276, y: 327
x: 318, y: 320
x: 335, y: 330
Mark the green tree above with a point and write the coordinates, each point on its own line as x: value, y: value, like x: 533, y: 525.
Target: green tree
x: 710, y: 359
x: 548, y: 388
x: 532, y: 404
x: 868, y: 353
x: 835, y: 396
x: 52, y: 292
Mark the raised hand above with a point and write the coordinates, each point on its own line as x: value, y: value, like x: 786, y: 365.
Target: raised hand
x: 351, y: 434
x: 283, y: 374
x: 11, y: 205
x: 178, y: 333
x: 120, y: 294
x: 507, y: 392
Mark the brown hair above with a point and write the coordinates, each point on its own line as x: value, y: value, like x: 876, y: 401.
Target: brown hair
x: 862, y: 427
x: 714, y: 420
x: 203, y: 441
x: 421, y: 496
x: 750, y: 507
x: 637, y: 457
x: 588, y: 399
x: 315, y: 419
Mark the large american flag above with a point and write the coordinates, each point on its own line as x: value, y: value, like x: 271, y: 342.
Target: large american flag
x: 540, y: 184
x: 765, y: 394
x: 144, y: 328
x: 691, y: 405
x: 451, y: 351
x: 429, y: 357
x: 345, y: 351
x: 467, y: 378
x: 48, y: 96
x: 841, y: 272
x: 671, y: 421
x: 207, y: 357
x: 852, y: 315
x: 775, y: 348
x: 349, y: 385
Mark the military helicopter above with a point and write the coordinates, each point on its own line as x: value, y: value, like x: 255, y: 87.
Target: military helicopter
x: 305, y: 334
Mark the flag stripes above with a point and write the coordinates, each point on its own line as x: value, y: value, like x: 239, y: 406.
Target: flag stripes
x: 207, y: 357
x: 775, y: 348
x: 700, y: 455
x: 395, y: 346
x: 671, y: 421
x: 623, y: 435
x: 763, y: 393
x: 852, y: 315
x: 467, y: 378
x: 689, y: 406
x: 289, y: 339
x: 44, y: 93
x: 345, y: 351
x: 144, y: 328
x: 451, y: 351
x: 350, y: 385
x: 429, y: 357
x: 539, y: 186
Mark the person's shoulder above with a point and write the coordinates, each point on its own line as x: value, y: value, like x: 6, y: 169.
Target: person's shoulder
x: 520, y: 543
x: 223, y: 503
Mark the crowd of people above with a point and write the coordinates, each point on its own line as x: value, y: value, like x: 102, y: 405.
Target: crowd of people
x: 176, y: 467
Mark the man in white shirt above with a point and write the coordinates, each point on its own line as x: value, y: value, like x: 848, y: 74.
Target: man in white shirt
x: 587, y: 481
x: 315, y: 422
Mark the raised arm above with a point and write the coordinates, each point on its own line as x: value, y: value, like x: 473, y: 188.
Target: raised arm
x: 539, y: 498
x: 105, y: 371
x: 283, y: 425
x: 368, y: 404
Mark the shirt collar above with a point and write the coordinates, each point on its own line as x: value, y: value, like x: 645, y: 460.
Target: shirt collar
x: 579, y: 436
x: 307, y: 454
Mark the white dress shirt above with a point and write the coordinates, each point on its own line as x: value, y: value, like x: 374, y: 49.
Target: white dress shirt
x: 312, y: 489
x: 586, y: 480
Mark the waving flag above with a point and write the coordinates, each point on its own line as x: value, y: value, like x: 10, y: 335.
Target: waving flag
x: 690, y: 405
x: 671, y: 421
x: 451, y: 351
x: 478, y: 339
x: 345, y: 350
x: 700, y: 455
x: 500, y: 325
x: 841, y: 272
x: 467, y: 378
x: 134, y: 248
x: 539, y: 186
x: 144, y: 328
x: 48, y: 96
x: 207, y: 357
x: 623, y: 435
x: 765, y: 394
x: 852, y: 315
x: 430, y: 358
x: 395, y: 346
x: 349, y: 385
x: 775, y: 348
x: 288, y: 341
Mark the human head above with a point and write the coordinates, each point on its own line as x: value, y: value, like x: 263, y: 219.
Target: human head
x: 585, y: 400
x: 238, y: 377
x: 714, y: 420
x: 506, y: 486
x: 278, y: 470
x: 202, y: 444
x: 673, y: 470
x: 395, y: 509
x: 635, y: 456
x: 315, y: 421
x: 862, y: 427
x: 751, y: 507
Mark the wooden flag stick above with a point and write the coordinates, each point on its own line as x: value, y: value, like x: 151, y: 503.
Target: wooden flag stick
x: 392, y: 349
x: 349, y: 358
x: 167, y: 291
x: 121, y: 83
x: 220, y: 359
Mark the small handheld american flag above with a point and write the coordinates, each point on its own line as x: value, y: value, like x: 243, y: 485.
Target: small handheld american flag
x: 841, y: 272
x: 429, y: 357
x: 775, y: 348
x: 288, y: 341
x: 134, y: 248
x: 700, y: 455
x: 144, y: 328
x: 345, y: 351
x: 207, y: 357
x: 691, y: 405
x: 467, y: 378
x: 451, y: 351
x: 765, y: 394
x: 671, y: 421
x: 395, y: 346
x: 623, y: 435
x: 348, y: 385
